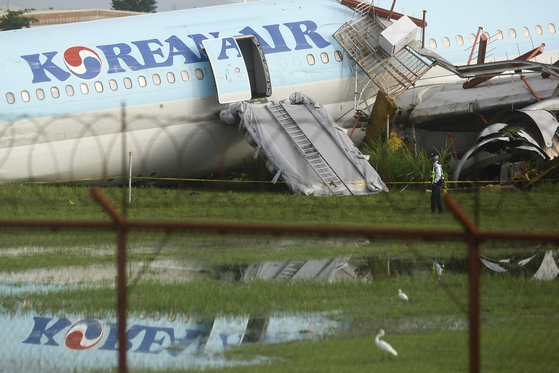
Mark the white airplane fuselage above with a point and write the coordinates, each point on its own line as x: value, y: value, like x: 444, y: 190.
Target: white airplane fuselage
x: 78, y: 99
x: 64, y: 108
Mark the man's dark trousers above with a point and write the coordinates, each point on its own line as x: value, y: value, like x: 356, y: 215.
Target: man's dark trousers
x: 436, y: 198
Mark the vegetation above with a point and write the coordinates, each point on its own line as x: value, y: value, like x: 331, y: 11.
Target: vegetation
x: 144, y: 6
x: 430, y: 333
x: 15, y: 19
x: 403, y: 166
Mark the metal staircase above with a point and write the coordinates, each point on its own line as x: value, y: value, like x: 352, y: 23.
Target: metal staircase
x: 393, y: 74
x: 290, y: 270
x: 328, y: 176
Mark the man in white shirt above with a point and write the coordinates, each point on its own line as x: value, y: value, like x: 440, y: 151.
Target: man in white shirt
x: 436, y: 184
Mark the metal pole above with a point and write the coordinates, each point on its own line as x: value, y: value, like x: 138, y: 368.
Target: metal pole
x: 423, y: 31
x: 130, y: 178
x: 121, y: 301
x: 473, y: 266
x: 474, y: 46
x: 387, y: 128
x: 473, y: 240
x: 391, y: 9
x: 119, y: 222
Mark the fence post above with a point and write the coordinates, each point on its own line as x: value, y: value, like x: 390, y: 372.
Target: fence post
x: 130, y: 178
x: 472, y: 238
x: 473, y: 269
x: 121, y: 229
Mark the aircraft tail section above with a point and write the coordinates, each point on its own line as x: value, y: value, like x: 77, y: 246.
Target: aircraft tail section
x: 304, y: 146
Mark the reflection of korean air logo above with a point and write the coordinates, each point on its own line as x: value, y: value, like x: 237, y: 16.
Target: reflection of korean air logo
x: 83, y: 62
x: 84, y: 334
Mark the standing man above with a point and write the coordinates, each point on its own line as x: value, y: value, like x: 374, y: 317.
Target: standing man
x: 436, y: 183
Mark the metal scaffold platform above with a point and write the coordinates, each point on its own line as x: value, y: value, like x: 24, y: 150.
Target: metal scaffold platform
x: 392, y: 71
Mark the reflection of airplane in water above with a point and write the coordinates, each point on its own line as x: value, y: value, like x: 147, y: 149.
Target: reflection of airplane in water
x: 63, y: 342
x: 89, y: 341
x: 64, y: 85
x: 154, y: 341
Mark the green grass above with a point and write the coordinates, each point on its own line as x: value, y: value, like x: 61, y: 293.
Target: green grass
x: 501, y: 297
x: 519, y: 316
x: 498, y: 208
x: 520, y: 323
x: 492, y: 209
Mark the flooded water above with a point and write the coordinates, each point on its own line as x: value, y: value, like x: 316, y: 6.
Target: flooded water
x: 69, y: 342
x: 74, y: 342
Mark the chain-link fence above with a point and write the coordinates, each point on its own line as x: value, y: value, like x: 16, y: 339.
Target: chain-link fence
x: 194, y: 274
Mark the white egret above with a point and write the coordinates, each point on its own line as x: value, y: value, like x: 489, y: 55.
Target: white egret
x: 402, y: 296
x: 384, y: 346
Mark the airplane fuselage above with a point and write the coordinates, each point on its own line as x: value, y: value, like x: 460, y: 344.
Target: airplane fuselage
x: 70, y: 91
x: 81, y: 101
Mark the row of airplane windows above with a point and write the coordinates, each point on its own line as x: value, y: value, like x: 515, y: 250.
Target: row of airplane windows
x: 498, y: 34
x: 84, y: 88
x: 142, y: 81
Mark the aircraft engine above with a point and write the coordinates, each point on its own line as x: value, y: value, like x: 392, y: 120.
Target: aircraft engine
x: 513, y: 139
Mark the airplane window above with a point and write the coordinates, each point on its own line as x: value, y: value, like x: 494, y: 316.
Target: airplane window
x: 324, y: 57
x: 55, y: 92
x: 472, y: 38
x: 99, y: 86
x: 338, y: 56
x: 113, y: 84
x: 40, y: 94
x: 185, y: 76
x: 525, y: 31
x: 459, y: 40
x: 499, y: 35
x: 446, y: 42
x: 10, y: 98
x: 199, y: 74
x: 539, y: 30
x: 84, y: 88
x: 156, y: 79
x: 310, y: 59
x: 25, y: 96
x: 551, y: 28
x: 512, y: 33
x: 171, y: 78
x: 127, y: 83
x: 142, y: 81
x: 69, y: 90
x: 433, y: 43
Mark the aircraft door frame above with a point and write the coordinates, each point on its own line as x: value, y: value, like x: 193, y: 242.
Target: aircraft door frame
x: 229, y: 69
x: 239, y: 68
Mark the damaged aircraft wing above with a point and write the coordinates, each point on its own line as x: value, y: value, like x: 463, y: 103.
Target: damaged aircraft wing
x: 512, y: 136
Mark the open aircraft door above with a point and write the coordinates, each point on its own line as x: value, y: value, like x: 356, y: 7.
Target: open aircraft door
x: 239, y: 67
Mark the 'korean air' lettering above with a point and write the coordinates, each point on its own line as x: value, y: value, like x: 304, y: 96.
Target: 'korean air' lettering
x: 85, y: 64
x: 85, y: 334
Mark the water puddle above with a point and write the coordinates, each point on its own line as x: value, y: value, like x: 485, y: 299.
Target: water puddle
x: 31, y: 341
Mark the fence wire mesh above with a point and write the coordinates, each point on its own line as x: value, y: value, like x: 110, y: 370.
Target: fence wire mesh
x: 220, y: 275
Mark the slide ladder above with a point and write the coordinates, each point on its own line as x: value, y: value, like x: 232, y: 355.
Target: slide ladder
x: 329, y: 177
x: 290, y: 270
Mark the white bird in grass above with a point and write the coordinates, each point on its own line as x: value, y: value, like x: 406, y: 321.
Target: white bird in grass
x: 402, y: 296
x: 384, y: 346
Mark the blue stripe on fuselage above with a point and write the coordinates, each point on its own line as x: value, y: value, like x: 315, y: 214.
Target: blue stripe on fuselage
x: 120, y: 59
x: 290, y: 33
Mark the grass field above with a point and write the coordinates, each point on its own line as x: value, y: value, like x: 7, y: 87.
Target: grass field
x: 520, y: 318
